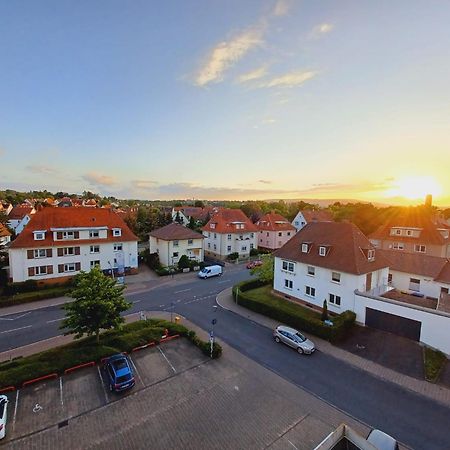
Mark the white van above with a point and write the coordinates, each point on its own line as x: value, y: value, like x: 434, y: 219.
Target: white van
x: 210, y: 271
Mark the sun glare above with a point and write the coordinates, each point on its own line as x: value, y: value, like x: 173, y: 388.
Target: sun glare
x: 414, y: 188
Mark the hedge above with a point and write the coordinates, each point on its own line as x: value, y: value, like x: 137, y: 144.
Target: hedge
x: 56, y: 360
x: 28, y: 297
x: 293, y: 315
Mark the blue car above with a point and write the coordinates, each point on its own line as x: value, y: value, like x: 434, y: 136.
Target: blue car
x: 119, y: 373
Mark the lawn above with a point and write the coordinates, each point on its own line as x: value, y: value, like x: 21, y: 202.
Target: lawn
x: 434, y: 361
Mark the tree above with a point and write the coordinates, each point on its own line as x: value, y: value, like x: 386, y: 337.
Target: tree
x: 192, y: 223
x: 324, y: 311
x: 97, y: 305
x: 199, y: 204
x: 178, y: 218
x: 264, y: 272
x: 184, y: 262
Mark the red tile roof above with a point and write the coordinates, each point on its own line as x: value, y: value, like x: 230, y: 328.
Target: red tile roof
x: 415, y: 263
x: 274, y: 222
x: 175, y: 231
x: 346, y: 248
x: 317, y: 216
x: 71, y: 218
x: 4, y: 231
x: 19, y: 212
x: 225, y: 220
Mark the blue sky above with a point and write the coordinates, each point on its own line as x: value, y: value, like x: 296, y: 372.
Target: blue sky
x: 225, y: 99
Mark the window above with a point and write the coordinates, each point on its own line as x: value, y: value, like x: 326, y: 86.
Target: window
x: 311, y: 270
x: 118, y: 247
x: 371, y: 255
x: 69, y: 267
x: 40, y: 253
x: 389, y: 278
x: 310, y: 291
x: 296, y: 222
x: 322, y: 251
x: 95, y: 248
x: 39, y: 235
x: 336, y: 277
x: 244, y: 248
x: 420, y: 248
x: 288, y: 233
x: 398, y: 232
x: 229, y: 248
x: 117, y: 232
x: 209, y: 244
x: 414, y: 284
x: 305, y: 248
x: 288, y: 284
x: 40, y: 270
x: 175, y: 255
x: 252, y: 235
x: 288, y: 266
x: 68, y: 251
x: 175, y: 243
x: 68, y: 235
x: 215, y: 247
x: 229, y: 237
x: 409, y: 232
x: 251, y: 246
x: 215, y: 235
x: 398, y: 246
x: 212, y: 226
x: 94, y: 234
x: 280, y: 233
x: 95, y: 263
x: 335, y: 299
x: 190, y: 241
x: 267, y: 234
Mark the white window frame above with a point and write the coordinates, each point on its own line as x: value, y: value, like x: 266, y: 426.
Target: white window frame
x: 305, y: 248
x: 335, y: 279
x: 229, y: 248
x: 310, y: 291
x: 94, y: 263
x: 398, y: 246
x: 94, y: 249
x: 118, y: 247
x: 68, y: 235
x: 38, y: 253
x: 288, y: 284
x: 176, y: 243
x: 312, y: 272
x: 322, y: 251
x: 69, y: 267
x: 93, y: 234
x: 39, y: 235
x: 190, y: 241
x: 371, y: 254
x: 420, y: 248
x: 288, y: 266
x: 40, y: 270
x: 398, y: 232
x: 229, y: 237
x: 117, y: 232
x: 68, y: 251
x: 334, y: 299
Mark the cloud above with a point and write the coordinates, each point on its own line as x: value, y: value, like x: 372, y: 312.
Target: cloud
x: 143, y: 184
x: 252, y: 75
x: 289, y: 80
x: 268, y: 120
x: 281, y: 8
x: 321, y: 29
x: 265, y: 181
x: 339, y: 188
x: 99, y: 180
x: 228, y: 53
x: 46, y: 170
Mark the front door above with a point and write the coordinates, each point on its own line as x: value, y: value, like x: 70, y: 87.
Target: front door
x: 369, y: 281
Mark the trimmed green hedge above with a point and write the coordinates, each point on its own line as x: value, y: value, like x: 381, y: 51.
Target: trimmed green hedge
x: 291, y: 314
x: 56, y: 360
x: 28, y: 297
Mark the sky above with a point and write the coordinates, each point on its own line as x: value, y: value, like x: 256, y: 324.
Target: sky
x: 235, y: 99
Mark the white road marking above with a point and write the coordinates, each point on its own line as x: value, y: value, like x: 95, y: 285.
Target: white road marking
x: 165, y: 357
x: 292, y: 444
x: 184, y: 290
x: 103, y: 384
x: 61, y: 391
x: 3, y: 318
x: 137, y: 372
x: 22, y: 315
x: 55, y: 320
x: 223, y: 281
x: 15, y: 329
x: 15, y: 410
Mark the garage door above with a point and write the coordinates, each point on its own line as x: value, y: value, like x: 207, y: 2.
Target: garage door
x: 394, y: 324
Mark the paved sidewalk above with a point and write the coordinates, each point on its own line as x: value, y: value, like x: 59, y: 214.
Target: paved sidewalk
x: 433, y: 391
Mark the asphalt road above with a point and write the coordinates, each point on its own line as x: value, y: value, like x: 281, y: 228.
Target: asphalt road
x: 415, y: 420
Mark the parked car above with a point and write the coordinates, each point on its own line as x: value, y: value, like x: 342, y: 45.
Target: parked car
x: 252, y: 264
x: 294, y: 339
x: 210, y: 271
x: 3, y: 415
x: 382, y: 441
x: 119, y: 372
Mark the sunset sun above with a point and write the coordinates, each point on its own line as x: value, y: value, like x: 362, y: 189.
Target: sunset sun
x: 414, y: 187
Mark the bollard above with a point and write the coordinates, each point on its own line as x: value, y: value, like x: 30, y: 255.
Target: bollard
x: 177, y: 319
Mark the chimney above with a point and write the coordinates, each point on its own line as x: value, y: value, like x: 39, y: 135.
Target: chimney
x: 428, y: 200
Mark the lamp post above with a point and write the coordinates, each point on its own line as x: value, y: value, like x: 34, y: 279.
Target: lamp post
x: 211, y: 334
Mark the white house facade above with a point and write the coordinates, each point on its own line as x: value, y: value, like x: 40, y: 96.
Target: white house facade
x: 173, y: 241
x: 307, y: 216
x: 19, y: 217
x: 59, y: 243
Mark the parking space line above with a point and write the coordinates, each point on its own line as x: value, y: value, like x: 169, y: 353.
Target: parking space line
x: 103, y: 384
x: 136, y: 301
x: 61, y: 391
x: 15, y: 410
x: 165, y: 357
x: 55, y: 320
x: 184, y: 290
x: 15, y: 329
x: 137, y: 372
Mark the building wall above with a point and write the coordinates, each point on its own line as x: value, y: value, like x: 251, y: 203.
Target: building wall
x: 19, y: 262
x: 271, y: 239
x: 324, y: 285
x: 428, y: 286
x: 441, y: 251
x: 166, y: 250
x: 435, y: 330
x: 299, y: 221
x: 220, y: 245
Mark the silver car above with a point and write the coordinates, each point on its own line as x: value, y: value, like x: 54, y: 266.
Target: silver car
x: 294, y: 339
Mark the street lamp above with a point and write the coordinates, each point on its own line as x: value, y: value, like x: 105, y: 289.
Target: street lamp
x: 211, y: 334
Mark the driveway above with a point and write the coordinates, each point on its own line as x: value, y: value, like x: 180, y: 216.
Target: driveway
x: 387, y: 349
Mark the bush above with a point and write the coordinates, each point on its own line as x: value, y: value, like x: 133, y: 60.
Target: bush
x: 184, y: 262
x: 17, y: 288
x: 151, y: 259
x: 291, y: 314
x: 163, y: 271
x: 254, y: 252
x: 233, y: 256
x: 28, y: 297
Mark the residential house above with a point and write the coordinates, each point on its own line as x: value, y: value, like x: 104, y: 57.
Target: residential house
x: 173, y: 241
x: 413, y: 233
x: 229, y: 231
x: 65, y: 202
x: 307, y: 216
x: 418, y: 274
x: 5, y: 235
x: 19, y: 217
x: 5, y: 208
x: 274, y: 231
x: 59, y: 242
x: 329, y: 261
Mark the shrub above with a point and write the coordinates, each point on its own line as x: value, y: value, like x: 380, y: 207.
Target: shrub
x: 163, y: 271
x: 292, y: 314
x: 233, y: 256
x: 184, y: 262
x: 151, y: 259
x: 324, y: 311
x: 254, y: 252
x: 17, y: 288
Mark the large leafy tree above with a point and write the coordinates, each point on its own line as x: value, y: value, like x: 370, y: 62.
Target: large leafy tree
x: 97, y: 305
x: 264, y: 272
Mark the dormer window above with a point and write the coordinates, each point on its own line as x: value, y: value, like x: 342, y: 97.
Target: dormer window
x: 68, y: 235
x: 117, y: 232
x: 322, y: 251
x: 305, y: 247
x: 212, y: 225
x: 94, y: 234
x: 409, y: 232
x: 397, y: 231
x: 371, y: 255
x: 39, y: 235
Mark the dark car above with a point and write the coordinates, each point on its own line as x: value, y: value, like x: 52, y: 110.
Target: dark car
x: 119, y: 373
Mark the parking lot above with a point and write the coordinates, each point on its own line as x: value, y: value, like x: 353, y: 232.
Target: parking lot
x: 56, y: 401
